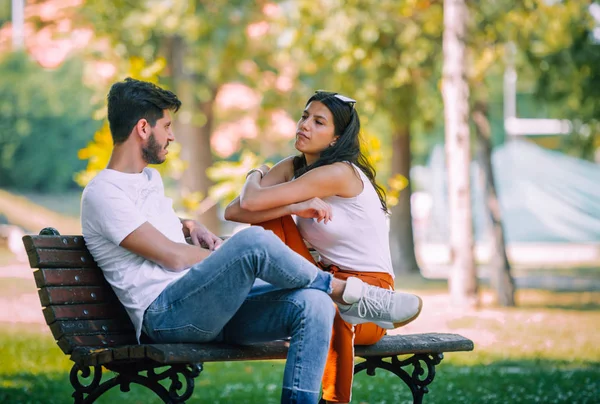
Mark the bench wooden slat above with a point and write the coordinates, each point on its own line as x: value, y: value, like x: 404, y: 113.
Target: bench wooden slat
x: 54, y: 242
x: 53, y: 258
x: 388, y: 346
x: 86, y: 356
x: 75, y: 295
x: 84, y: 312
x: 69, y: 277
x: 82, y: 327
x: 416, y: 343
x: 191, y: 353
x: 69, y: 342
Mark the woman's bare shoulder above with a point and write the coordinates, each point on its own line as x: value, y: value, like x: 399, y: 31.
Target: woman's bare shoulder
x: 281, y: 172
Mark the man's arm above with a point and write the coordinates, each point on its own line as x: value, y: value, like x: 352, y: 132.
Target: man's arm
x: 199, y: 234
x: 148, y: 242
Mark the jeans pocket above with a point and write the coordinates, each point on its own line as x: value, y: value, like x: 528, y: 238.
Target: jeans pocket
x: 184, y: 333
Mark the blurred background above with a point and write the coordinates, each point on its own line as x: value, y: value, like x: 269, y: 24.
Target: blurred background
x: 530, y: 76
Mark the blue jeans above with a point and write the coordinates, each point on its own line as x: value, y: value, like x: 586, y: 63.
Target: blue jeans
x: 211, y: 303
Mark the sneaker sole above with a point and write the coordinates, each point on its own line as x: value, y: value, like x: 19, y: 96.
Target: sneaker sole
x: 387, y: 324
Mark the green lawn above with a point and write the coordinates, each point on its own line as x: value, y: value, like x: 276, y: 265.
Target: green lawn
x: 544, y: 351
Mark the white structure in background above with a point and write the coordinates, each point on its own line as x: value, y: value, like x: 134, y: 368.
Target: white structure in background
x: 515, y: 126
x: 11, y: 237
x: 18, y: 24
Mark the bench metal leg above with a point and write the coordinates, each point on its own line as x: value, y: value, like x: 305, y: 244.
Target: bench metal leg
x: 129, y: 373
x: 417, y: 381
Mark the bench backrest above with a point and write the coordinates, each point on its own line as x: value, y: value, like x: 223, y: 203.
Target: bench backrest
x: 79, y: 305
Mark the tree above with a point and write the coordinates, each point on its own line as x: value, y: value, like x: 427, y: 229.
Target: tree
x: 549, y: 35
x: 455, y: 89
x: 502, y: 281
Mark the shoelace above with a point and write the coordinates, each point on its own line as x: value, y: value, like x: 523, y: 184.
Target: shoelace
x: 374, y: 302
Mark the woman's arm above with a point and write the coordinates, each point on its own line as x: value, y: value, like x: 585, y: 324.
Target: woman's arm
x: 280, y: 173
x: 234, y: 212
x: 335, y: 179
x: 313, y: 208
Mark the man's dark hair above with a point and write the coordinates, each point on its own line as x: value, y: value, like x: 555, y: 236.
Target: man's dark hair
x: 131, y: 100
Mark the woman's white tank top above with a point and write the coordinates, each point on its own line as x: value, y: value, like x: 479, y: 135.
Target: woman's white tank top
x: 357, y: 239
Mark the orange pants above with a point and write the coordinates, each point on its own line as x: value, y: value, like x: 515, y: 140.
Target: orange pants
x: 339, y: 369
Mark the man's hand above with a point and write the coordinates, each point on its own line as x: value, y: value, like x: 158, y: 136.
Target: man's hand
x: 200, y: 236
x: 314, y: 208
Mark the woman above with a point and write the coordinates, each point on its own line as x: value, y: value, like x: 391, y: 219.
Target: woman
x: 340, y: 211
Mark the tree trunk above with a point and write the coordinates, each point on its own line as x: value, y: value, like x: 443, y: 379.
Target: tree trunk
x: 194, y: 137
x: 462, y: 279
x: 402, y: 245
x: 500, y: 278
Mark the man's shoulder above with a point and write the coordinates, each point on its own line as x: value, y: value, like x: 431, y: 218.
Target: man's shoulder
x: 97, y: 185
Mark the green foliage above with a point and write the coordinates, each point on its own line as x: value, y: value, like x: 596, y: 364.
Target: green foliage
x: 45, y: 118
x: 557, y: 59
x: 567, y: 60
x: 383, y: 54
x: 5, y: 12
x: 230, y: 176
x: 213, y: 37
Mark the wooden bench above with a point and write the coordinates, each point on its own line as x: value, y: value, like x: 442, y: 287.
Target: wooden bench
x: 91, y: 326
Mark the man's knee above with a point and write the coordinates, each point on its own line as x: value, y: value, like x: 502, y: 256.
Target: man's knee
x: 254, y: 236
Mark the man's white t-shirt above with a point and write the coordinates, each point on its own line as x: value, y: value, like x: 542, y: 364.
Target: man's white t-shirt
x: 113, y: 205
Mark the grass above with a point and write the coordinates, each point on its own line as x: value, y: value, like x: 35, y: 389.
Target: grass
x: 546, y: 351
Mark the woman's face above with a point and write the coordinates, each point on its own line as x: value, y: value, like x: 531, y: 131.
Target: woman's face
x: 315, y: 130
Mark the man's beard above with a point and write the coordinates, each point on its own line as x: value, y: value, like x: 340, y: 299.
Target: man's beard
x: 151, y: 151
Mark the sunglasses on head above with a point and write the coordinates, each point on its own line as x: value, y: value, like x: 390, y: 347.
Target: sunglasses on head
x: 340, y: 97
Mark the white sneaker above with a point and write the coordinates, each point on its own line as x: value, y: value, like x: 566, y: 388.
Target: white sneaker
x: 372, y: 304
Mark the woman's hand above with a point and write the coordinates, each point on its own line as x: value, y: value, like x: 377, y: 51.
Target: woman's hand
x: 314, y: 208
x: 264, y: 168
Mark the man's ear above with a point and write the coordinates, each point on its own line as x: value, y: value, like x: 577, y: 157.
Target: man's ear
x: 143, y: 128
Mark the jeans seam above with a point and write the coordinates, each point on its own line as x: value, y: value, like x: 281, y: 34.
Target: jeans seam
x: 298, y: 367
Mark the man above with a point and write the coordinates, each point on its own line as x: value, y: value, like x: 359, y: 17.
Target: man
x: 176, y: 292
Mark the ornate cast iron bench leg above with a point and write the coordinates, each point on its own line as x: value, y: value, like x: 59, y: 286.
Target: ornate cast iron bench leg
x: 129, y: 373
x: 422, y: 374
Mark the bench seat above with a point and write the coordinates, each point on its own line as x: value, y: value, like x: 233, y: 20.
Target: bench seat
x: 168, y: 354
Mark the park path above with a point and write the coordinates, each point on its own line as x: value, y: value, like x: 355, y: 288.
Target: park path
x: 19, y: 306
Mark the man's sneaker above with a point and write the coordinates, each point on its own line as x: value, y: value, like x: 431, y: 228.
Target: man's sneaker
x: 372, y: 304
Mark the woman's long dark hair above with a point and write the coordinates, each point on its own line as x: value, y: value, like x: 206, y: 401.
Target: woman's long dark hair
x: 347, y: 145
